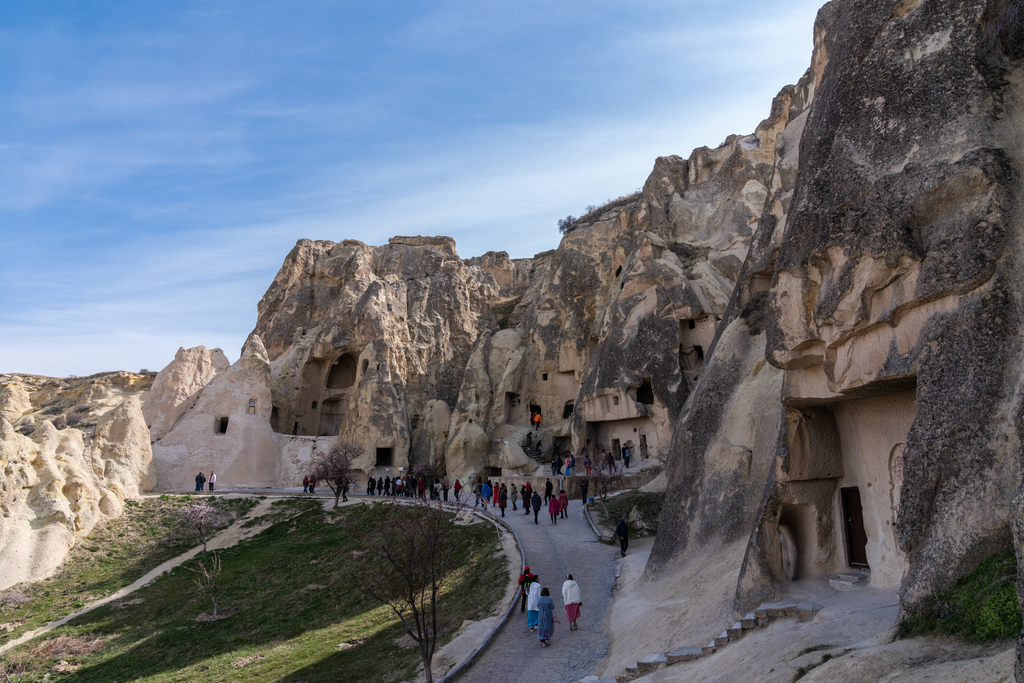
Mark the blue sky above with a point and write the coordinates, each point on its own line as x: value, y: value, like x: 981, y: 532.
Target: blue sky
x: 159, y: 159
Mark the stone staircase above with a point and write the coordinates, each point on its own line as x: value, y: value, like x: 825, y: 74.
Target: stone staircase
x: 760, y: 617
x: 850, y: 580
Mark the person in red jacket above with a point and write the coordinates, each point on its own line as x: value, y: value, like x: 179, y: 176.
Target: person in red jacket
x: 525, y: 579
x: 458, y: 489
x: 554, y: 507
x: 563, y: 503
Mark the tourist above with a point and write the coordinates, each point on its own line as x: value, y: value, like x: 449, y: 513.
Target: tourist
x: 527, y: 493
x: 587, y: 464
x: 371, y: 486
x: 540, y: 448
x: 485, y: 495
x: 444, y: 487
x: 503, y: 499
x: 458, y: 489
x: 563, y: 503
x: 305, y: 484
x: 497, y: 492
x: 525, y: 579
x: 626, y: 453
x: 622, y: 531
x: 545, y: 617
x: 554, y: 508
x: 312, y: 484
x: 387, y: 485
x: 571, y: 598
x: 531, y: 603
x: 536, y: 503
x: 213, y: 479
x: 570, y: 465
x: 558, y: 469
x: 200, y: 480
x: 380, y: 486
x: 513, y: 495
x: 399, y: 486
x: 536, y: 421
x: 421, y: 487
x: 548, y: 490
x: 583, y: 490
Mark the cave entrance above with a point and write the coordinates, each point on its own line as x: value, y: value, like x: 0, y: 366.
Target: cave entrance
x: 616, y: 449
x: 511, y: 403
x: 275, y: 419
x: 643, y: 446
x: 567, y: 411
x: 385, y: 456
x: 222, y: 425
x: 343, y: 373
x: 645, y: 393
x: 797, y: 538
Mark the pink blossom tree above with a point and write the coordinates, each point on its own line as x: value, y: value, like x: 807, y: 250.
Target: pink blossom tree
x: 335, y: 467
x: 202, y: 517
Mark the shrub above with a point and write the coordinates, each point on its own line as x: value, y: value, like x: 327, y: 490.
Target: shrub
x: 74, y: 417
x: 566, y: 224
x: 980, y: 607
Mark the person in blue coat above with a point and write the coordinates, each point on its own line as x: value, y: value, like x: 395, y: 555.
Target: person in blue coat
x: 545, y: 617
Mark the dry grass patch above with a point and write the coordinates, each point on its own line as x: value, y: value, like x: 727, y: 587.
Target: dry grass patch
x: 64, y: 646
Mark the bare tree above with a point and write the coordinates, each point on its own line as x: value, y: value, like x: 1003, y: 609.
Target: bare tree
x: 410, y: 555
x: 605, y: 479
x: 206, y: 578
x: 14, y: 600
x: 202, y: 517
x: 335, y: 467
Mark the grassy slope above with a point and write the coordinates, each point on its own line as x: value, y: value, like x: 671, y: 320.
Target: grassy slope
x: 294, y: 613
x: 114, y: 555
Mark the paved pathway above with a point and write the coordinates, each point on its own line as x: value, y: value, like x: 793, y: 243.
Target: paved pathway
x: 552, y: 551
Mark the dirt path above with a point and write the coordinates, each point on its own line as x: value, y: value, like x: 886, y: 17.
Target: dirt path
x: 225, y: 539
x: 552, y: 551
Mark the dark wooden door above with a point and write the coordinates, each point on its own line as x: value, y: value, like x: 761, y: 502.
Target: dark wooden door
x: 856, y: 538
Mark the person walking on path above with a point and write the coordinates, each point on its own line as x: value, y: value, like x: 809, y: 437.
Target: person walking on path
x: 305, y: 484
x: 536, y: 421
x: 563, y: 504
x: 444, y: 487
x: 371, y: 486
x: 626, y: 453
x: 458, y: 489
x: 312, y: 484
x: 503, y: 499
x: 584, y: 485
x: 554, y: 508
x: 513, y: 494
x: 570, y: 465
x: 200, y: 480
x: 531, y: 603
x: 380, y: 486
x: 525, y: 579
x: 571, y: 598
x: 558, y: 465
x: 622, y: 531
x: 545, y: 617
x: 587, y: 464
x: 527, y: 497
x: 548, y: 490
x: 213, y: 479
x: 536, y: 503
x: 387, y: 485
x: 497, y: 493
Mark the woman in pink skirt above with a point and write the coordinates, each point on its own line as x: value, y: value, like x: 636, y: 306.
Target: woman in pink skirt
x: 571, y: 598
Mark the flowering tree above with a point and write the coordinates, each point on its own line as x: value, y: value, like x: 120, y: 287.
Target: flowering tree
x: 335, y: 467
x: 606, y: 477
x: 202, y: 517
x: 410, y: 555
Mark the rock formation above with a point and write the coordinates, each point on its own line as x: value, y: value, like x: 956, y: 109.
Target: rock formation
x: 56, y: 486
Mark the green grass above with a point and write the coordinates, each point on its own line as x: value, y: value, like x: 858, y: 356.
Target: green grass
x: 981, y: 606
x: 294, y: 613
x: 114, y: 555
x: 648, y: 504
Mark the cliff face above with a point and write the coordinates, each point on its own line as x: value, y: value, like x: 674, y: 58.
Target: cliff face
x: 888, y: 249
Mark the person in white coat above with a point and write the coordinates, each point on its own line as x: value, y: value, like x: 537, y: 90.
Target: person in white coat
x: 571, y: 598
x: 531, y: 604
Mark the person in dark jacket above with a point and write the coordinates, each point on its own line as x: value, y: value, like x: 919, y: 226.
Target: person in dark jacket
x: 584, y: 485
x: 535, y: 503
x: 622, y: 531
x: 200, y: 480
x: 371, y: 486
x: 548, y: 490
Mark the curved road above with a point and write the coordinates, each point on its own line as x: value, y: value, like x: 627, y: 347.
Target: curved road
x: 552, y: 551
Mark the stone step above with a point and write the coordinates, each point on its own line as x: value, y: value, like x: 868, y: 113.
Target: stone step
x: 735, y: 631
x: 629, y: 674
x: 709, y: 649
x: 722, y: 640
x: 651, y: 663
x: 852, y: 578
x: 749, y: 621
x: 684, y: 654
x: 806, y: 610
x: 842, y: 586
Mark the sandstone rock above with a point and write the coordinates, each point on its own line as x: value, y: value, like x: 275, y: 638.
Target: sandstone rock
x: 226, y: 431
x: 56, y: 488
x: 177, y: 386
x: 14, y: 402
